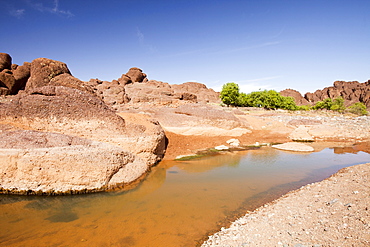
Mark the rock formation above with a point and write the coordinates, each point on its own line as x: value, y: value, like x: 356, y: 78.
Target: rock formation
x: 351, y: 92
x: 297, y: 96
x: 134, y: 88
x: 58, y: 136
x: 12, y: 77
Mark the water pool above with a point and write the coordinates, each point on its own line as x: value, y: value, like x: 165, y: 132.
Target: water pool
x: 178, y: 204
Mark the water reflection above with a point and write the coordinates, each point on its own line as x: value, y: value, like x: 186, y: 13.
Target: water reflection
x: 176, y: 205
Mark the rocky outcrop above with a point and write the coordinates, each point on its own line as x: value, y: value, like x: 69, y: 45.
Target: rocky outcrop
x: 43, y: 70
x: 47, y: 163
x: 59, y: 137
x: 297, y: 96
x: 136, y: 75
x: 5, y: 61
x: 351, y: 92
x: 134, y: 88
x: 12, y: 77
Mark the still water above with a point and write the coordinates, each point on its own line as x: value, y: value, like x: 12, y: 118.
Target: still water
x: 178, y: 204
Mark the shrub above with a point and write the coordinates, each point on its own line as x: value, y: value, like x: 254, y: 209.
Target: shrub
x: 230, y: 94
x: 335, y: 105
x: 358, y: 109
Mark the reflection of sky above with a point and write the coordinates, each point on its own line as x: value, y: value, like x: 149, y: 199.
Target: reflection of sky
x: 178, y: 202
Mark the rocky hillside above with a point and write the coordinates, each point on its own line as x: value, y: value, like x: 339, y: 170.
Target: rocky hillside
x: 351, y: 92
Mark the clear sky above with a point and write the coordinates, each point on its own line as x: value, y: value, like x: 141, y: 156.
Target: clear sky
x: 277, y: 44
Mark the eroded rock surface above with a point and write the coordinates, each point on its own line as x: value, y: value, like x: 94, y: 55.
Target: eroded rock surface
x: 59, y: 136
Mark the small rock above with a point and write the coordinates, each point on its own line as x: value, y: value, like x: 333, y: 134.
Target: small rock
x: 222, y: 147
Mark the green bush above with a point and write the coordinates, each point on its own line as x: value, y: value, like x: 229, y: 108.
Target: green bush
x: 358, y: 109
x: 269, y: 99
x: 230, y: 94
x: 335, y: 105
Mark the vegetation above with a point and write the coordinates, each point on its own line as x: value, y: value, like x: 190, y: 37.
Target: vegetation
x: 358, y: 109
x: 335, y: 105
x: 270, y: 99
x: 230, y: 94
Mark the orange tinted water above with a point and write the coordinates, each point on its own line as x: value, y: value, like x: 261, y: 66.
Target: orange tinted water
x: 178, y: 204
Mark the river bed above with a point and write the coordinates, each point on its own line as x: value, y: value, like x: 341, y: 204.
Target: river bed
x: 178, y: 204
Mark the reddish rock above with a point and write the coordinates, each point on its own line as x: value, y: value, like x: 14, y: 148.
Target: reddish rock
x: 204, y: 94
x: 7, y: 80
x: 4, y: 90
x: 125, y: 79
x: 112, y: 92
x: 5, y: 61
x: 68, y: 80
x: 298, y: 98
x: 351, y: 92
x: 21, y: 75
x: 43, y: 70
x: 136, y: 75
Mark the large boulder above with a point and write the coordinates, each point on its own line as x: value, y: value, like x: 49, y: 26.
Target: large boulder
x: 21, y: 75
x: 5, y: 61
x: 50, y: 163
x: 43, y: 70
x: 136, y: 75
x: 12, y: 77
x: 7, y: 80
x: 93, y: 147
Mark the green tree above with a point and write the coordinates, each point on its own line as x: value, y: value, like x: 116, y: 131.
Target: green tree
x: 358, y: 109
x: 230, y: 94
x: 335, y: 105
x: 338, y: 105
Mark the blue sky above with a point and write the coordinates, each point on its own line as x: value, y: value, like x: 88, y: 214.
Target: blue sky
x: 276, y: 44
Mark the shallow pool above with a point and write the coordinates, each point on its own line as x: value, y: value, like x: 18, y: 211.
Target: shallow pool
x: 178, y: 204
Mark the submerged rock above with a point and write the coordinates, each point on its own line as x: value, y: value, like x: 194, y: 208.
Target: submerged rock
x: 294, y: 146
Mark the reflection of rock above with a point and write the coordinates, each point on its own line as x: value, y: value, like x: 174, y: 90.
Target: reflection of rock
x: 210, y: 163
x: 294, y: 146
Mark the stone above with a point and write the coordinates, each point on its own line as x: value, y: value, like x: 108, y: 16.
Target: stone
x: 116, y: 151
x: 7, y: 80
x: 222, y: 147
x: 21, y: 75
x: 294, y: 146
x: 112, y: 92
x: 136, y: 75
x: 5, y: 61
x: 233, y: 142
x: 301, y: 134
x: 124, y: 79
x: 68, y: 80
x: 43, y: 70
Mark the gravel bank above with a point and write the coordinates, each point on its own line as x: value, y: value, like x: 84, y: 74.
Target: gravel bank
x: 333, y: 212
